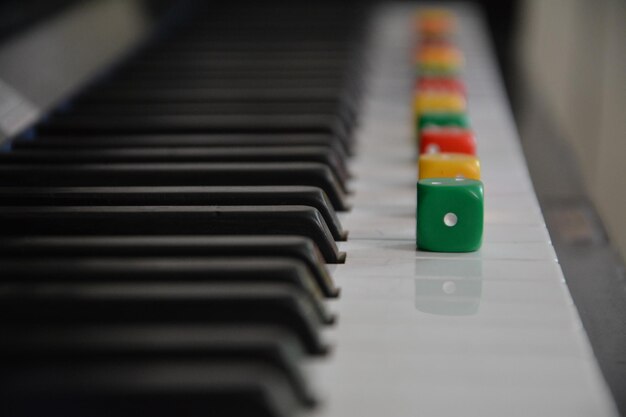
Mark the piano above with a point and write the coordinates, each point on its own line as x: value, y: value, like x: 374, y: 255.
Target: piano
x: 212, y: 213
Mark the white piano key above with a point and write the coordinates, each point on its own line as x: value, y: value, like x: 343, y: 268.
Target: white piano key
x: 484, y: 269
x: 490, y: 333
x: 452, y: 385
x: 381, y: 225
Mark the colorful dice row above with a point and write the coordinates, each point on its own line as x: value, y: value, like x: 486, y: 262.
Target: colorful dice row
x: 450, y: 193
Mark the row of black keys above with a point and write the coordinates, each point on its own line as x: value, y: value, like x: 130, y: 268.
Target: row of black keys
x: 163, y: 236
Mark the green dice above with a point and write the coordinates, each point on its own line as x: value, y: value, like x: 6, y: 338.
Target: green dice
x: 441, y: 71
x: 449, y: 214
x: 452, y: 119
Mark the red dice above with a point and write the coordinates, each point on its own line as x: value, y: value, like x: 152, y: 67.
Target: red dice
x: 443, y: 84
x: 447, y: 139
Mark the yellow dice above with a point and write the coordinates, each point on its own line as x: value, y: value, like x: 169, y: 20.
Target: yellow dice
x: 428, y: 101
x: 449, y: 165
x: 444, y: 59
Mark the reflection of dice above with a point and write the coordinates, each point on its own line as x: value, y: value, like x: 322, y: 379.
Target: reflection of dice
x: 447, y: 139
x: 449, y: 165
x: 442, y: 118
x: 448, y: 296
x: 449, y: 214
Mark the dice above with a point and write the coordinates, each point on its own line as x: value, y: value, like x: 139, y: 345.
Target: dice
x: 435, y: 23
x: 441, y: 84
x: 439, y: 60
x: 449, y: 214
x: 450, y: 193
x: 447, y: 139
x: 431, y: 118
x: 449, y: 165
x: 426, y: 101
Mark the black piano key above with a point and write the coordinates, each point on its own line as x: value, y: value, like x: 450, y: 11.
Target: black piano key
x: 189, y: 303
x: 346, y: 97
x: 231, y: 81
x: 163, y: 220
x: 250, y: 84
x: 225, y: 64
x: 85, y: 107
x: 266, y: 344
x: 168, y: 270
x: 131, y: 72
x: 141, y: 387
x: 194, y: 41
x: 323, y: 155
x: 264, y: 55
x: 176, y: 196
x: 150, y: 264
x: 223, y: 94
x: 345, y: 92
x: 177, y: 174
x: 258, y: 141
x: 179, y: 123
x: 335, y: 33
x: 190, y: 41
x: 206, y: 247
x: 263, y: 60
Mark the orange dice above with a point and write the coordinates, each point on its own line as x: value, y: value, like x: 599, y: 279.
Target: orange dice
x: 435, y: 23
x: 439, y: 56
x: 441, y: 85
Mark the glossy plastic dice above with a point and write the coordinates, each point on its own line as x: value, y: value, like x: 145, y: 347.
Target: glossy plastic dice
x: 449, y: 165
x: 433, y: 59
x: 435, y: 23
x: 428, y: 101
x: 449, y: 214
x: 433, y: 42
x: 441, y: 85
x: 442, y: 119
x: 447, y: 139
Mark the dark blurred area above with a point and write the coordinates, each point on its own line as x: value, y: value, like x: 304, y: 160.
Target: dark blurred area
x: 502, y: 18
x: 17, y: 15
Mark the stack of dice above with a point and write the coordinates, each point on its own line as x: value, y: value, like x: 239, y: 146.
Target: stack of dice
x: 450, y: 206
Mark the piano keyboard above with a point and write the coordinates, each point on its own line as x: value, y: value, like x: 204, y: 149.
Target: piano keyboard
x: 225, y: 225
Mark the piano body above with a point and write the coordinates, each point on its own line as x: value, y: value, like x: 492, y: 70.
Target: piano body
x: 209, y: 210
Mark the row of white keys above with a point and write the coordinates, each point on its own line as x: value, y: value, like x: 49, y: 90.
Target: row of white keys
x: 490, y: 333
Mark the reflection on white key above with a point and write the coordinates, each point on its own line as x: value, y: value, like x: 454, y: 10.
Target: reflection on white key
x: 451, y: 296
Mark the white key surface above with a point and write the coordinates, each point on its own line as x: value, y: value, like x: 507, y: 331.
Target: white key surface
x: 488, y: 334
